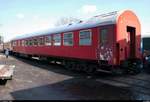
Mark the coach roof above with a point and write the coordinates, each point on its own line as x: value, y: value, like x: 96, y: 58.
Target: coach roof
x: 99, y: 20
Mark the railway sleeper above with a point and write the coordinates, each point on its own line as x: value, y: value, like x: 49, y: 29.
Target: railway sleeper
x: 91, y: 69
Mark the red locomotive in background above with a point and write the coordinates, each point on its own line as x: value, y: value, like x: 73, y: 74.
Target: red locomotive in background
x: 108, y: 42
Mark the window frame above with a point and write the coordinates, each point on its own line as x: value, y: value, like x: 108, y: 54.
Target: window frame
x: 30, y: 42
x: 41, y: 43
x: 100, y: 38
x: 18, y: 42
x: 27, y: 42
x: 72, y: 38
x: 54, y: 39
x: 22, y: 42
x: 35, y: 38
x: 49, y: 43
x: 14, y: 43
x: 90, y: 37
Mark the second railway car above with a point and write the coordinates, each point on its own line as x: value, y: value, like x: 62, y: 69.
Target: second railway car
x: 108, y: 42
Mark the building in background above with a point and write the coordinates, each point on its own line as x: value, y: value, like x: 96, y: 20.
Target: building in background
x: 146, y: 46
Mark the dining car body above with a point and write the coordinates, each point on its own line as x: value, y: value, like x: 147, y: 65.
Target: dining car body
x: 109, y: 42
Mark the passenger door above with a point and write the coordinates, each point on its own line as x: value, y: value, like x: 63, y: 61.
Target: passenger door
x: 131, y: 42
x: 105, y: 44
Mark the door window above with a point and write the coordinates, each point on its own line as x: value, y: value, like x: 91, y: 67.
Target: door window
x: 104, y: 36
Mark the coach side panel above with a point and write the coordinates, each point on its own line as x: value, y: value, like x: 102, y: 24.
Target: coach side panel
x: 77, y: 50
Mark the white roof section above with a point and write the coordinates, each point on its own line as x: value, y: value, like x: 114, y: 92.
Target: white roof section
x: 99, y: 20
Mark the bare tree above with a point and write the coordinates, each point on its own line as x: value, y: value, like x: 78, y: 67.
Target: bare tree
x: 66, y: 20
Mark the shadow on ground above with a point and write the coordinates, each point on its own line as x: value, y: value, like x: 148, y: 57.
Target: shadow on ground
x: 59, y: 68
x: 74, y: 89
x: 80, y: 87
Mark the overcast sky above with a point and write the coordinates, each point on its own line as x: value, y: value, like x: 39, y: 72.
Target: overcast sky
x: 23, y: 16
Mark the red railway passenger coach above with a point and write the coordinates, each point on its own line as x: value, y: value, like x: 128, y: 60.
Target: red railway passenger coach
x: 102, y: 42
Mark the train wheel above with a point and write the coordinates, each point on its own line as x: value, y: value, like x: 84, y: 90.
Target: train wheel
x: 74, y: 66
x: 82, y: 67
x: 68, y: 65
x: 91, y: 69
x: 78, y: 67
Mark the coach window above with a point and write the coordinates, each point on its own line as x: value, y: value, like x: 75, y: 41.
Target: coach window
x: 14, y: 43
x: 68, y: 39
x: 85, y: 37
x: 41, y: 41
x: 35, y: 41
x: 22, y: 42
x: 18, y: 43
x: 30, y: 42
x: 103, y: 37
x: 57, y: 39
x: 27, y: 42
x: 48, y: 40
